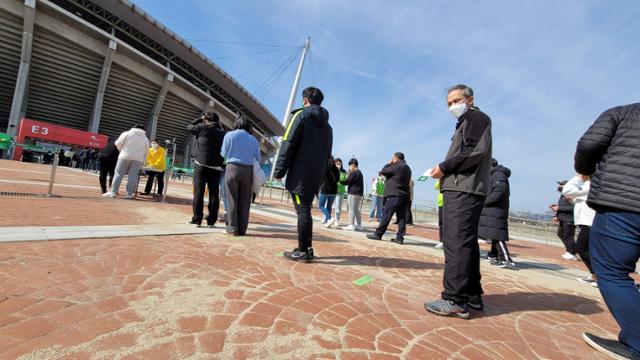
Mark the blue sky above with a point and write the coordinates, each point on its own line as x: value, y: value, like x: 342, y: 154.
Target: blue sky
x: 542, y: 70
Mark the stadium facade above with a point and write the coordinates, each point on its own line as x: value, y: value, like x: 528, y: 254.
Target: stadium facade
x: 102, y: 66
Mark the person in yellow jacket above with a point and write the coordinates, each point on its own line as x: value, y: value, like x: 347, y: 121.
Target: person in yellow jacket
x: 156, y: 159
x: 440, y: 203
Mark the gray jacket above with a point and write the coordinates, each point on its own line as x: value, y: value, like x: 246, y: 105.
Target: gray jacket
x: 467, y: 167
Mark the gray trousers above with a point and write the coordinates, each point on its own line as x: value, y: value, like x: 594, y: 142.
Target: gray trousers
x: 355, y: 216
x: 238, y: 182
x: 131, y: 168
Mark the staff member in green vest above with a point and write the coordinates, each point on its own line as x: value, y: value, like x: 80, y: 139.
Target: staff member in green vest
x: 377, y: 198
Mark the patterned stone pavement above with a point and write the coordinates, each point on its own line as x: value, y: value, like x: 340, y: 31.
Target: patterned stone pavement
x: 213, y: 297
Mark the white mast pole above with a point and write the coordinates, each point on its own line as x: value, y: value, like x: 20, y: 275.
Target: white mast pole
x: 292, y: 98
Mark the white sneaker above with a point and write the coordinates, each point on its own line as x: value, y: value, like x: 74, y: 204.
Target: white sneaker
x: 109, y: 194
x: 589, y: 281
x: 568, y: 256
x: 350, y: 228
x: 330, y: 223
x: 359, y: 228
x: 130, y: 196
x: 439, y: 246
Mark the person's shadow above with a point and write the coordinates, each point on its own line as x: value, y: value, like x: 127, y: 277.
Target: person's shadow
x: 501, y: 304
x: 375, y: 261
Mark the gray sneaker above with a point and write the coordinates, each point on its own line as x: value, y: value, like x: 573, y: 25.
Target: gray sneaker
x: 447, y: 308
x: 613, y: 348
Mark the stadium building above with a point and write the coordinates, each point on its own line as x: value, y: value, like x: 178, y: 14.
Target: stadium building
x: 101, y: 66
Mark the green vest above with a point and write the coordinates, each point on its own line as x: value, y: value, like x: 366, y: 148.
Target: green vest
x: 440, y: 196
x: 342, y: 189
x: 380, y: 188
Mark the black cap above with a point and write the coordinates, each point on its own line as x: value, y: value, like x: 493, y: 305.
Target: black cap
x: 138, y: 126
x: 563, y: 182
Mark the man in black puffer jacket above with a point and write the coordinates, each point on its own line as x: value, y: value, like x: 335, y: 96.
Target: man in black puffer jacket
x: 494, y: 220
x: 610, y: 152
x: 304, y: 155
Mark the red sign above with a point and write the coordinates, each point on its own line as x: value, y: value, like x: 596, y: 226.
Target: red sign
x: 60, y: 134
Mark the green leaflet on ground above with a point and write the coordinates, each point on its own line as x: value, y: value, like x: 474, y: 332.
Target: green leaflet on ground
x: 363, y: 280
x: 280, y: 254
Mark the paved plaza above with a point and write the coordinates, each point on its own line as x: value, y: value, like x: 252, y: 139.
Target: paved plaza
x: 118, y: 279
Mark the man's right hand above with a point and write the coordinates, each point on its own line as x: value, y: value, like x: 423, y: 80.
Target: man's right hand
x: 555, y: 220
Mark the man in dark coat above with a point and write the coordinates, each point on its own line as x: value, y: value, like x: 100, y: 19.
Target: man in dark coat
x: 108, y: 158
x: 207, y: 166
x: 464, y: 177
x: 304, y: 155
x: 494, y: 220
x: 609, y: 151
x: 397, y: 194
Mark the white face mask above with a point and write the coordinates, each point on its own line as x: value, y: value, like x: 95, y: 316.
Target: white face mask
x: 154, y: 146
x: 458, y: 109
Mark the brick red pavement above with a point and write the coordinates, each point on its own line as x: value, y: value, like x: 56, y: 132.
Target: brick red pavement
x: 209, y: 296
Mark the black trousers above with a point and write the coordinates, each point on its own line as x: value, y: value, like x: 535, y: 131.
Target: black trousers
x: 567, y: 233
x: 152, y: 176
x: 409, y: 213
x: 303, y: 207
x: 582, y: 246
x: 204, y: 176
x: 500, y: 250
x: 394, y: 205
x: 238, y: 186
x: 106, y: 168
x: 461, y: 216
x: 440, y: 223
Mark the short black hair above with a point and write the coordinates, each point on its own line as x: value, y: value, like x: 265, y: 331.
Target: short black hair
x: 466, y: 90
x: 399, y: 155
x: 138, y: 126
x: 314, y: 95
x: 211, y: 116
x: 353, y: 161
x: 241, y: 123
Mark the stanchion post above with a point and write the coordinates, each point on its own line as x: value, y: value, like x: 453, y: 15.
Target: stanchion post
x: 53, y: 174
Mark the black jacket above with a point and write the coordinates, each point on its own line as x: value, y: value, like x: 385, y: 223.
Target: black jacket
x: 208, y: 142
x: 109, y: 153
x: 330, y: 180
x: 610, y: 150
x: 355, y: 182
x: 305, y: 151
x: 398, y: 179
x: 494, y: 223
x: 565, y: 210
x: 467, y: 166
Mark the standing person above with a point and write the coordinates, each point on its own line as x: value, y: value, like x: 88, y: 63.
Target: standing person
x: 355, y: 182
x: 108, y: 158
x: 328, y: 190
x: 609, y: 150
x: 341, y: 196
x: 465, y: 175
x: 305, y: 150
x: 396, y: 197
x: 578, y: 189
x: 157, y: 159
x: 566, y: 226
x: 440, y: 201
x: 377, y: 198
x: 409, y: 211
x: 240, y: 150
x: 207, y: 166
x: 133, y: 146
x: 494, y: 220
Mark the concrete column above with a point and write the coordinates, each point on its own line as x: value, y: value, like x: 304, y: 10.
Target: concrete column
x: 22, y: 80
x: 152, y: 125
x: 94, y: 124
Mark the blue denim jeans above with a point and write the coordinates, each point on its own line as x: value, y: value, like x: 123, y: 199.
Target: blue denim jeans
x: 377, y: 203
x: 615, y: 249
x: 325, y: 202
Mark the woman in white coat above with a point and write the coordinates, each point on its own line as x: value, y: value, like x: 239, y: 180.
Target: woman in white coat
x: 577, y: 189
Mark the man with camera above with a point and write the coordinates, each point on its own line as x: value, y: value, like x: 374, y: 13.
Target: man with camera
x: 207, y: 167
